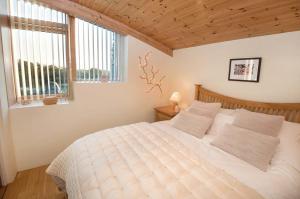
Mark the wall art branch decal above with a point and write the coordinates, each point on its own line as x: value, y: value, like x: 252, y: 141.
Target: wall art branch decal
x: 150, y: 74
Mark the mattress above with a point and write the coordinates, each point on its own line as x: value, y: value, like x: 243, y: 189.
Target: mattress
x: 143, y: 161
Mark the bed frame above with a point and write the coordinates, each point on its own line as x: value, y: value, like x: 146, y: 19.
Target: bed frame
x: 291, y: 111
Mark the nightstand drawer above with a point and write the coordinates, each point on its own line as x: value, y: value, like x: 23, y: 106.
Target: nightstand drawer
x: 162, y: 117
x: 164, y: 113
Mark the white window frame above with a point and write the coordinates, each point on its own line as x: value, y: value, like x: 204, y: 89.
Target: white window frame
x: 39, y: 26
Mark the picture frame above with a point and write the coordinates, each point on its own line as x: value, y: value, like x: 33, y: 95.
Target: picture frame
x: 245, y: 69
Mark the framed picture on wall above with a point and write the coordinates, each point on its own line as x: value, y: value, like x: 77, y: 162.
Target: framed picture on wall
x: 244, y: 69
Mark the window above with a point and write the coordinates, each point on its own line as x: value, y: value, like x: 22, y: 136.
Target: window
x: 39, y: 49
x: 98, y: 56
x: 42, y: 42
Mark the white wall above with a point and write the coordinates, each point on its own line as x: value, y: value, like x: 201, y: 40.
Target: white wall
x: 40, y: 133
x: 209, y: 65
x: 8, y: 168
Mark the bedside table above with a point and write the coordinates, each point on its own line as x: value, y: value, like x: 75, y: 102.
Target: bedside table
x: 164, y: 113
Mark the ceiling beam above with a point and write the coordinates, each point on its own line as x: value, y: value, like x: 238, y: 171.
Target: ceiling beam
x: 87, y: 14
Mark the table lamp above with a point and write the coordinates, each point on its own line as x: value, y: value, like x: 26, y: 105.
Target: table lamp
x: 175, y: 99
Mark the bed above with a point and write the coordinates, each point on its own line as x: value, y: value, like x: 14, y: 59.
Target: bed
x: 156, y: 160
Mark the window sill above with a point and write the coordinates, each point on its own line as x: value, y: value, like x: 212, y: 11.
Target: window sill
x: 38, y: 103
x: 98, y: 82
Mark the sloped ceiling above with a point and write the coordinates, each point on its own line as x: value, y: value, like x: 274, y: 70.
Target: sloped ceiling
x: 185, y: 23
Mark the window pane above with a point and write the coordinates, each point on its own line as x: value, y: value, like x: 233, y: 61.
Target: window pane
x: 32, y: 10
x: 97, y: 53
x: 39, y: 50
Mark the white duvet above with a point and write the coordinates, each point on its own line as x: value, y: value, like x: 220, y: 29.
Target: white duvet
x: 158, y: 161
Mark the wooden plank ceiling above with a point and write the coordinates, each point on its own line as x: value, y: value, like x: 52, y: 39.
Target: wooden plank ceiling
x: 185, y: 23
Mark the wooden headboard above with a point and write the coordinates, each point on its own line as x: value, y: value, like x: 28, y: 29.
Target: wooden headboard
x: 291, y: 111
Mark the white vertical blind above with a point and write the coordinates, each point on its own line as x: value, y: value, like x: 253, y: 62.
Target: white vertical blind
x: 39, y: 39
x: 97, y: 52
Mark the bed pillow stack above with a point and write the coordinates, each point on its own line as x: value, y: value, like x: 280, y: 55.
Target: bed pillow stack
x: 197, y: 119
x: 251, y: 137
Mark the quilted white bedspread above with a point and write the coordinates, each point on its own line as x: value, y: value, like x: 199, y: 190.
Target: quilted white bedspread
x: 141, y: 161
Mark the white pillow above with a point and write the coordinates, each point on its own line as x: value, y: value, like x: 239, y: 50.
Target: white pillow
x: 193, y: 124
x: 204, y: 109
x: 288, y: 151
x: 219, y: 123
x: 255, y: 148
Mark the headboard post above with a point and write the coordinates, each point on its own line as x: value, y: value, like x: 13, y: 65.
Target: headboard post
x: 197, y: 91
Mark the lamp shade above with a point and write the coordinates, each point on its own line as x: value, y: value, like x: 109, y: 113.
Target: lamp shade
x: 175, y: 97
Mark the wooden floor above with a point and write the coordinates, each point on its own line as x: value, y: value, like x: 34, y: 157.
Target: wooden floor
x: 2, y: 191
x: 33, y: 184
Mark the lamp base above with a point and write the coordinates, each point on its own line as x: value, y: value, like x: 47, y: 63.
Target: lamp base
x: 176, y: 108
